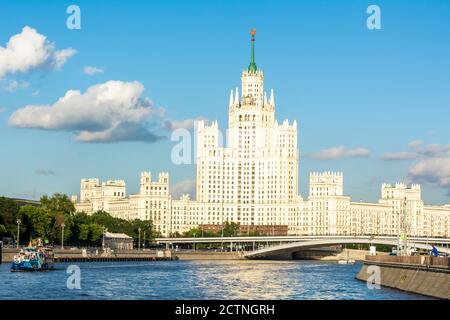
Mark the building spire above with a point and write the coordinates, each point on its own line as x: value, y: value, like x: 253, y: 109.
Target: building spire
x: 231, y: 98
x: 252, y: 67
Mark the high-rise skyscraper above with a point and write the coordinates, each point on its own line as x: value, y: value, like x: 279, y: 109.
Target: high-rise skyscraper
x: 256, y: 173
x: 252, y: 180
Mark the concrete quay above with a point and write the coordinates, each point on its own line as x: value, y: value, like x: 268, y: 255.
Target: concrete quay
x: 322, y: 254
x: 207, y: 255
x: 80, y: 255
x: 325, y: 254
x: 423, y: 275
x: 69, y: 255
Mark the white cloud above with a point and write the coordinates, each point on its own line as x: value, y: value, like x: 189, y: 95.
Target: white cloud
x: 417, y: 149
x: 106, y: 112
x: 2, y: 109
x: 431, y: 163
x: 339, y: 152
x: 431, y: 149
x: 415, y: 143
x: 171, y: 124
x: 396, y: 156
x: 184, y: 187
x: 30, y: 50
x: 89, y: 70
x: 61, y: 56
x: 432, y: 166
x: 13, y: 85
x: 434, y: 171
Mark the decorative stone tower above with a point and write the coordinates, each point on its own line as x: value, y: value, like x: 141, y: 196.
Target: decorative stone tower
x: 250, y: 179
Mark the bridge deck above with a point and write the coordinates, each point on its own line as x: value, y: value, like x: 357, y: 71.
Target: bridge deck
x: 445, y: 241
x: 295, y: 243
x: 295, y: 246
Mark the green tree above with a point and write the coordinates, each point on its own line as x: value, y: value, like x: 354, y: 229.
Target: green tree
x: 61, y: 210
x: 96, y: 232
x: 2, y: 230
x: 80, y: 228
x: 194, y: 232
x: 253, y: 233
x: 83, y: 232
x: 230, y: 229
x: 145, y: 226
x: 45, y: 221
x: 40, y: 221
x: 68, y: 224
x: 58, y: 204
x: 198, y: 232
x: 9, y: 213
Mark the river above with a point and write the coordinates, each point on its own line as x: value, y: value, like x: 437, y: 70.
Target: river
x: 229, y: 280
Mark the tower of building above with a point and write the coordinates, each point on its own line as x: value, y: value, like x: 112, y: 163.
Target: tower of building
x: 249, y: 179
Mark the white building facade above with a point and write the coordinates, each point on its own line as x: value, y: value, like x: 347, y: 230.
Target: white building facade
x: 253, y: 181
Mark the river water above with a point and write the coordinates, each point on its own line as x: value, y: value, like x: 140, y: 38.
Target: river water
x: 295, y: 280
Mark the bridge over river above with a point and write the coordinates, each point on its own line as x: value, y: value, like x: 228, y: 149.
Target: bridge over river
x: 266, y: 246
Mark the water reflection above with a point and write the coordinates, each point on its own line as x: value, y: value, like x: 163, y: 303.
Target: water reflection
x: 228, y: 280
x: 244, y: 280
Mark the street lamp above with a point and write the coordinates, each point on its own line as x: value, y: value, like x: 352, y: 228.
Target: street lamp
x: 195, y: 244
x: 139, y: 239
x: 103, y: 240
x: 62, y: 235
x: 18, y: 228
x: 143, y: 245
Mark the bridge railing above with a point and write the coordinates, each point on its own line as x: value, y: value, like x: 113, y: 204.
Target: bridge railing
x: 301, y: 237
x: 415, y: 260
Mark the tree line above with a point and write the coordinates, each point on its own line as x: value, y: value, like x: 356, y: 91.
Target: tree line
x: 54, y: 213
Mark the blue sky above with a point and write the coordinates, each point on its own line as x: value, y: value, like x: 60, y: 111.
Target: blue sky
x: 349, y: 88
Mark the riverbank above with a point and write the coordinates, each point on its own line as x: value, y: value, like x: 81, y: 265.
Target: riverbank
x: 321, y: 254
x: 427, y: 276
x: 80, y: 255
x: 208, y: 255
x: 324, y: 254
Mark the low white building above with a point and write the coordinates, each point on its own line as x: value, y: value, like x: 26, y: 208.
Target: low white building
x: 118, y: 241
x: 326, y: 211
